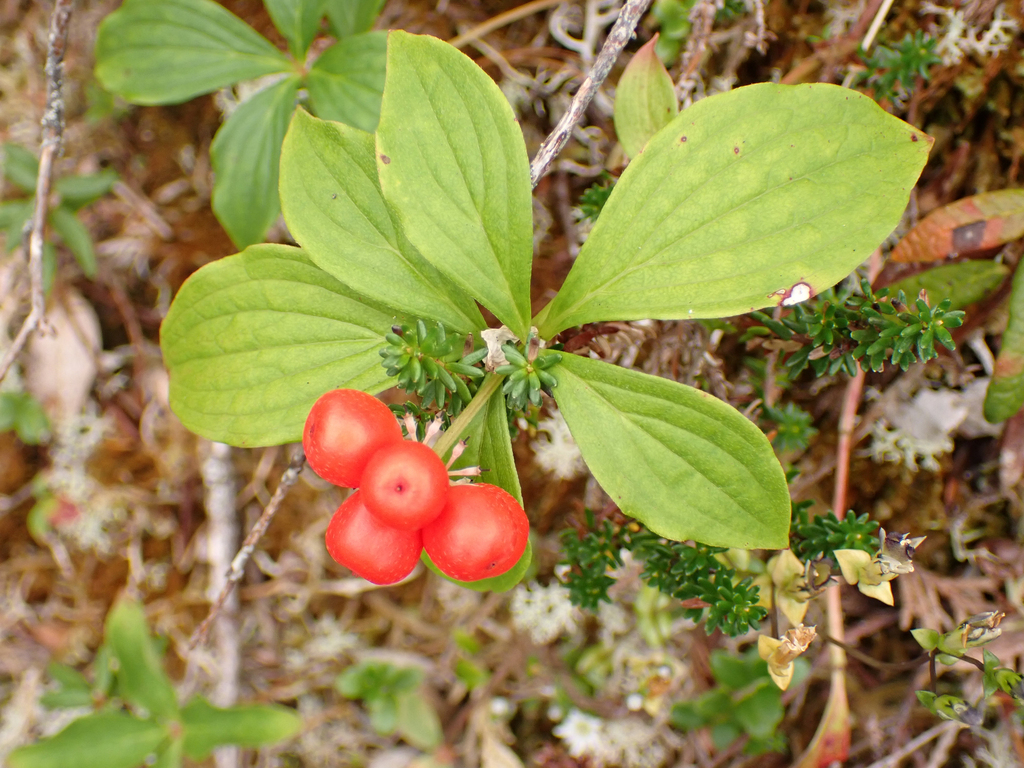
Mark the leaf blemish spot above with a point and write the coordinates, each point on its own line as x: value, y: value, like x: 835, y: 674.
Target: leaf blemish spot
x: 385, y: 159
x: 799, y: 293
x: 334, y: 196
x: 913, y: 137
x: 683, y: 140
x: 735, y: 150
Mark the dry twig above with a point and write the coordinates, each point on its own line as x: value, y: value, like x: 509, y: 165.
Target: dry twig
x: 238, y: 563
x: 50, y: 147
x: 613, y: 45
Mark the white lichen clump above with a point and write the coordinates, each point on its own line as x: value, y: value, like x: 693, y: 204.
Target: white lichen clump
x: 545, y: 613
x: 628, y: 742
x: 958, y: 37
x: 555, y: 451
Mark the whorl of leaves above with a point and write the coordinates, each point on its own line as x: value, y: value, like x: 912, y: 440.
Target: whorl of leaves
x: 820, y: 537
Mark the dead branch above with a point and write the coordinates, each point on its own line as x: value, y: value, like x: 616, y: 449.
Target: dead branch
x: 288, y: 479
x: 613, y: 45
x: 49, y: 148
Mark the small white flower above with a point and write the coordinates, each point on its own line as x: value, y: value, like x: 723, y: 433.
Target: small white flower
x: 583, y: 734
x: 555, y: 451
x: 543, y: 612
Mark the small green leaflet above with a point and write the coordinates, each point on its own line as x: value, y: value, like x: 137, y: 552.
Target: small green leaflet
x: 245, y: 155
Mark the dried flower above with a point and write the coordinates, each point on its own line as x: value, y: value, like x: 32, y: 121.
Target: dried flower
x: 781, y: 653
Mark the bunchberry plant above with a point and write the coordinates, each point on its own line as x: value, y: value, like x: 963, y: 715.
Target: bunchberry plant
x: 20, y: 167
x: 757, y: 197
x: 169, y: 51
x: 136, y: 719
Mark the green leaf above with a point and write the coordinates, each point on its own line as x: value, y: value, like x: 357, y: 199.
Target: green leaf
x: 1005, y: 394
x: 78, y: 191
x: 105, y: 740
x: 926, y: 638
x: 14, y: 214
x: 350, y: 17
x: 418, y: 722
x: 739, y: 199
x: 736, y: 672
x: 679, y: 460
x: 20, y: 167
x: 346, y: 83
x: 24, y: 414
x: 140, y: 672
x: 170, y: 51
x: 245, y: 155
x: 645, y: 99
x: 761, y: 712
x: 298, y: 21
x: 963, y: 283
x: 170, y: 756
x: 334, y: 209
x: 452, y: 161
x: 76, y: 237
x: 252, y: 725
x: 252, y: 340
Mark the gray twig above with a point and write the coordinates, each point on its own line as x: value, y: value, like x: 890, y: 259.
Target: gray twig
x: 621, y: 33
x: 50, y: 146
x: 288, y: 479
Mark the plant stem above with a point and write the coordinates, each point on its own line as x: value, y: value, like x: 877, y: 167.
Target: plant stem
x: 451, y: 436
x: 53, y: 134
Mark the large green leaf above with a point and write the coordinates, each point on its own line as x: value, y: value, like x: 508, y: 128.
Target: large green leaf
x: 253, y: 725
x: 740, y: 198
x: 298, y: 21
x: 346, y: 83
x: 170, y: 51
x: 679, y: 460
x: 334, y: 209
x: 1005, y: 394
x: 140, y: 671
x: 645, y: 99
x: 252, y: 340
x: 453, y: 163
x: 245, y: 155
x: 105, y: 740
x: 350, y: 17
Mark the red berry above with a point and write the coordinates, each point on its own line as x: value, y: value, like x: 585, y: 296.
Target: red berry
x: 481, y: 532
x: 343, y: 430
x: 405, y: 485
x: 369, y: 548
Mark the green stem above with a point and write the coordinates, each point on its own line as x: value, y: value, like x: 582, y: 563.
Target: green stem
x: 454, y: 433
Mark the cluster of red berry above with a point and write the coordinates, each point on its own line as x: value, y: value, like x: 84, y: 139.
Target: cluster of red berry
x: 404, y: 502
